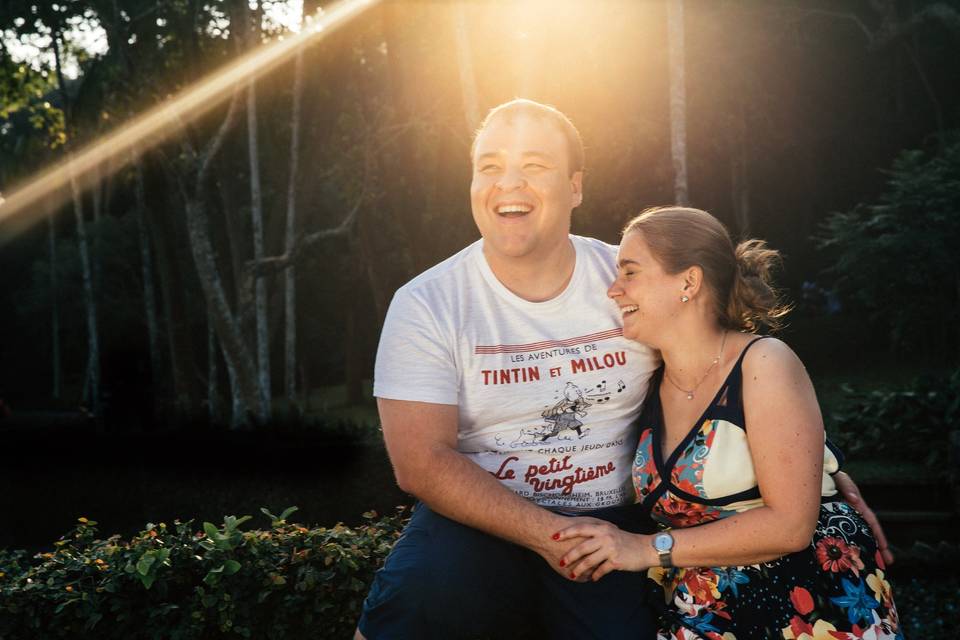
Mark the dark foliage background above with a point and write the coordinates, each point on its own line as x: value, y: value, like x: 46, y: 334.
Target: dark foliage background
x: 829, y: 128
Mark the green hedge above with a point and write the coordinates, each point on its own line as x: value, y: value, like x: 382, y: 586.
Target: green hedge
x: 180, y: 583
x: 177, y: 583
x: 911, y: 423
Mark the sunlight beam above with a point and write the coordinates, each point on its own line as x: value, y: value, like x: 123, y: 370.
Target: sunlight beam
x: 47, y: 192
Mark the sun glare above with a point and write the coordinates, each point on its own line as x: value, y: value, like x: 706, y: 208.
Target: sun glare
x: 47, y: 192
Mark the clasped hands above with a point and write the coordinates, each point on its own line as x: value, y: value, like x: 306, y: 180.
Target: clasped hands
x: 603, y: 548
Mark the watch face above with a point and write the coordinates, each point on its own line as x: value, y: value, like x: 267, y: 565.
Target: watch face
x: 663, y: 542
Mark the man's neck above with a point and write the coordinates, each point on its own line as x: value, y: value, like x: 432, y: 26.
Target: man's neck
x: 536, y: 278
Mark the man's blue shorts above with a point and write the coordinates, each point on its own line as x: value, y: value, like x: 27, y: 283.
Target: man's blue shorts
x: 446, y: 580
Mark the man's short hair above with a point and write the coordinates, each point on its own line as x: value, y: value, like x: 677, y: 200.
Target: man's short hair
x: 522, y: 107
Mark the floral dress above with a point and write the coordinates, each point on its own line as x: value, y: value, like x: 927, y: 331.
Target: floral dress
x: 834, y: 589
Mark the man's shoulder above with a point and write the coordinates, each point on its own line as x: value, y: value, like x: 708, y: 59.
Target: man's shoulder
x: 454, y: 267
x: 599, y: 249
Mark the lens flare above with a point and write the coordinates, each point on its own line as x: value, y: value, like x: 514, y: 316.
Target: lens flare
x: 48, y: 191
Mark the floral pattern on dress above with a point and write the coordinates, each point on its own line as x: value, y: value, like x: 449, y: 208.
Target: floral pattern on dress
x: 645, y: 476
x: 835, y: 589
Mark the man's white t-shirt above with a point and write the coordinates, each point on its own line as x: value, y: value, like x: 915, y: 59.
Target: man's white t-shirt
x: 548, y: 392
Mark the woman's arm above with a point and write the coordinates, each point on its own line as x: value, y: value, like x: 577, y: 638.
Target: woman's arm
x: 785, y: 433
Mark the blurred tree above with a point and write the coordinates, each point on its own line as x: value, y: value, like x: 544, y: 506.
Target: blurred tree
x: 678, y: 102
x: 897, y: 259
x: 247, y: 20
x: 31, y: 126
x: 290, y: 239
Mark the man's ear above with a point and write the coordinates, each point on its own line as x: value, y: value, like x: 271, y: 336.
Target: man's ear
x: 576, y: 184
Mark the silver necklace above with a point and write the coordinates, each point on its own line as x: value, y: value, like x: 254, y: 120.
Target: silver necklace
x: 690, y: 392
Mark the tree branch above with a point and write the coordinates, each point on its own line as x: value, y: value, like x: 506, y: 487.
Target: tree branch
x: 937, y: 12
x: 274, y: 264
x: 841, y: 15
x: 217, y: 141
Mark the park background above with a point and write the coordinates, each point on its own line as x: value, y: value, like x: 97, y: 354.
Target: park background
x: 190, y: 318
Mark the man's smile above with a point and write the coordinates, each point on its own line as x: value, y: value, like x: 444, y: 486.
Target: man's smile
x: 513, y: 209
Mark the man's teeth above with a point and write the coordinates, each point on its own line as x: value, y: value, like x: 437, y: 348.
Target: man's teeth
x: 629, y: 309
x: 514, y: 208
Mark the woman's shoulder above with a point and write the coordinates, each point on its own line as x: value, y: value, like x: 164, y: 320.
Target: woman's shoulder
x: 766, y: 353
x: 769, y: 357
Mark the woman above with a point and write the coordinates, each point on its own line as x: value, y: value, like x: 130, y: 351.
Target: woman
x: 731, y: 435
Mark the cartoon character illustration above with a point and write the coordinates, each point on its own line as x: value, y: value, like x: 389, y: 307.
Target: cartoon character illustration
x: 565, y: 415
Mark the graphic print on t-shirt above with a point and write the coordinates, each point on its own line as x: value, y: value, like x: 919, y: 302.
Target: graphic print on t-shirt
x: 562, y: 420
x: 561, y: 407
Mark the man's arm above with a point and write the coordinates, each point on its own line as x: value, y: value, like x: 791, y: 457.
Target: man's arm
x: 421, y: 438
x: 851, y: 494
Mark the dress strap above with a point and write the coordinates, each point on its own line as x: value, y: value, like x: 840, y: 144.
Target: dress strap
x: 730, y: 398
x: 747, y: 348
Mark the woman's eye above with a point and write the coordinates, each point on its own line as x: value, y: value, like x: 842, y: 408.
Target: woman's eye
x: 534, y: 165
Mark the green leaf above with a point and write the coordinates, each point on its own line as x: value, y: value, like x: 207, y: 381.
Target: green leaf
x: 148, y: 580
x: 144, y: 564
x: 230, y: 567
x: 211, y: 530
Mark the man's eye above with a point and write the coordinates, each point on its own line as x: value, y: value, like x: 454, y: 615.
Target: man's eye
x: 534, y: 165
x: 488, y: 168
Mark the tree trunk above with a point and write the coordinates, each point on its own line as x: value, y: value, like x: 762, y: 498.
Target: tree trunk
x: 260, y: 297
x: 678, y: 102
x: 54, y: 307
x: 740, y: 168
x: 215, y: 410
x: 93, y: 341
x: 290, y: 293
x: 234, y: 227
x: 179, y: 338
x: 92, y: 377
x: 96, y: 192
x: 352, y: 353
x: 149, y: 297
x: 468, y: 81
x: 240, y: 362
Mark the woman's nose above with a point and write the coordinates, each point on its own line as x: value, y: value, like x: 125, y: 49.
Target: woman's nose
x: 615, y: 289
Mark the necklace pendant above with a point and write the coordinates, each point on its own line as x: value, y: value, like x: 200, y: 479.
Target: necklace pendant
x: 689, y: 395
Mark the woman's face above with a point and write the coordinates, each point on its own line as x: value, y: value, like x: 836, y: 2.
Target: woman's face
x: 648, y: 297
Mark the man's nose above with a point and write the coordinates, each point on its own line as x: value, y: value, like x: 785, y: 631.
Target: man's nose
x: 512, y: 178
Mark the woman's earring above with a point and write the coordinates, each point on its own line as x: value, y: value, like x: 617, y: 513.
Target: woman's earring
x: 684, y: 299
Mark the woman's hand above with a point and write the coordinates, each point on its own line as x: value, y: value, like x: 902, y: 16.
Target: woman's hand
x: 605, y: 548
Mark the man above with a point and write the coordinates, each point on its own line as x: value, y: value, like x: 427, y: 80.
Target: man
x: 507, y: 395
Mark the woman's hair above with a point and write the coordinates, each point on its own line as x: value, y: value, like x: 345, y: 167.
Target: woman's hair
x: 739, y: 278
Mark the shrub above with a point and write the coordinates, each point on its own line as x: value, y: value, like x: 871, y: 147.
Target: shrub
x: 177, y: 583
x: 905, y: 424
x: 896, y: 259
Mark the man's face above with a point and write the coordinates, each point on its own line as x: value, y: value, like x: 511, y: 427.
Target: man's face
x: 522, y: 192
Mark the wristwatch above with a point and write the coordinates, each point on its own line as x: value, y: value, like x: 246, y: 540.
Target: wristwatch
x: 663, y: 544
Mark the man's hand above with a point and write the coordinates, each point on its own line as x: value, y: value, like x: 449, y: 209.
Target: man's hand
x: 600, y: 548
x: 848, y: 489
x: 553, y: 549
